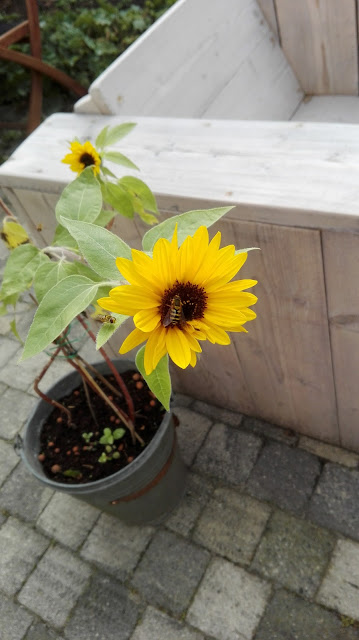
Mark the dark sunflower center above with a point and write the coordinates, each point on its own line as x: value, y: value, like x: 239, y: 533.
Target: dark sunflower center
x: 182, y: 302
x: 87, y: 159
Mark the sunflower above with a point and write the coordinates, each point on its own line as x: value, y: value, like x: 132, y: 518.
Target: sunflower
x: 82, y: 156
x: 180, y: 296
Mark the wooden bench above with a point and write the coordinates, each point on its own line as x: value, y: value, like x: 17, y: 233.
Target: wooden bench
x: 295, y: 191
x: 213, y: 111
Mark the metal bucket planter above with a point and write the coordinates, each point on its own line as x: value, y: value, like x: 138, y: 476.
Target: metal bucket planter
x: 145, y: 492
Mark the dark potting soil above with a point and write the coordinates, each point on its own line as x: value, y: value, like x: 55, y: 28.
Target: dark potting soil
x: 69, y: 456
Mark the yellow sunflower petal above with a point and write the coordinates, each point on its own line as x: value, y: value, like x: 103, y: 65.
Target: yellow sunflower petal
x: 111, y: 305
x: 135, y: 338
x: 238, y: 300
x: 155, y: 349
x: 178, y: 347
x: 147, y: 319
x: 193, y: 361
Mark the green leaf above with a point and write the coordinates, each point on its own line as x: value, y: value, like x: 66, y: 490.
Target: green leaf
x: 72, y: 473
x: 81, y: 199
x: 119, y: 158
x: 107, y: 329
x: 188, y: 223
x: 101, y: 138
x: 141, y: 191
x: 104, y: 218
x: 57, y: 309
x: 99, y: 247
x: 20, y: 269
x: 159, y: 381
x: 48, y: 275
x: 14, y: 330
x: 63, y: 238
x: 6, y: 301
x: 119, y: 199
x: 107, y: 172
x: 118, y: 433
x: 117, y: 133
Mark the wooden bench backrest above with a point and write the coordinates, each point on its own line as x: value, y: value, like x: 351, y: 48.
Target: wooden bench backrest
x: 320, y: 41
x: 216, y: 59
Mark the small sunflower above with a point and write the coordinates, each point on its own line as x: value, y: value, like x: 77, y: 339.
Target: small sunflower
x: 180, y: 296
x: 82, y: 156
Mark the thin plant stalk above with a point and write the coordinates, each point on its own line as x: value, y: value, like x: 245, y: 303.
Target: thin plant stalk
x: 118, y: 378
x: 46, y: 398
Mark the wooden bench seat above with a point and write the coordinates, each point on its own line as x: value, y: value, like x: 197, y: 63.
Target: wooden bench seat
x: 294, y: 187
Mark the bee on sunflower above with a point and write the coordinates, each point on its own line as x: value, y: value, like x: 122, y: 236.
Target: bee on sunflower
x: 180, y: 296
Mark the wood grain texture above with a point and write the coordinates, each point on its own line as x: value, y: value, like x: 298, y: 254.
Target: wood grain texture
x: 341, y: 263
x: 268, y: 9
x: 228, y: 65
x: 328, y: 109
x: 319, y: 39
x: 292, y: 173
x: 286, y: 354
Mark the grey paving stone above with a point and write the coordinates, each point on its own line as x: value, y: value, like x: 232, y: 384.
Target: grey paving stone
x: 294, y: 552
x: 4, y: 326
x: 232, y: 524
x: 39, y: 631
x: 3, y: 387
x: 157, y: 626
x: 216, y: 414
x: 116, y: 546
x: 55, y: 586
x: 291, y: 618
x: 14, y: 620
x: 20, y: 548
x: 22, y: 375
x: 285, y: 476
x: 340, y: 587
x: 198, y: 491
x: 262, y: 428
x: 229, y: 602
x: 170, y: 571
x: 8, y: 460
x: 9, y: 351
x: 329, y: 452
x: 335, y: 502
x: 181, y: 400
x: 67, y: 520
x: 15, y: 407
x: 23, y: 495
x: 105, y: 611
x: 228, y: 454
x: 191, y: 432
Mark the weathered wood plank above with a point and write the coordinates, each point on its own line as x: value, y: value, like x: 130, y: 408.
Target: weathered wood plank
x: 286, y: 354
x: 341, y: 263
x: 319, y: 38
x: 328, y: 109
x: 300, y: 174
x: 268, y: 8
x: 228, y: 65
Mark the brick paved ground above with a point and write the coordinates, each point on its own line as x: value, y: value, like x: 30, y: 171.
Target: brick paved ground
x: 264, y: 546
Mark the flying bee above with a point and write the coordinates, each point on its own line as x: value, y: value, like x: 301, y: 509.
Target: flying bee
x: 175, y: 315
x: 106, y: 318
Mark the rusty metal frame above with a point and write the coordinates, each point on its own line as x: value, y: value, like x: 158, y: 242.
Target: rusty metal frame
x: 30, y: 30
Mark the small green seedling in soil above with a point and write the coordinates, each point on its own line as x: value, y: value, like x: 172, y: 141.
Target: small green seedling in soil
x: 87, y: 436
x: 108, y: 439
x: 110, y: 436
x: 73, y: 473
